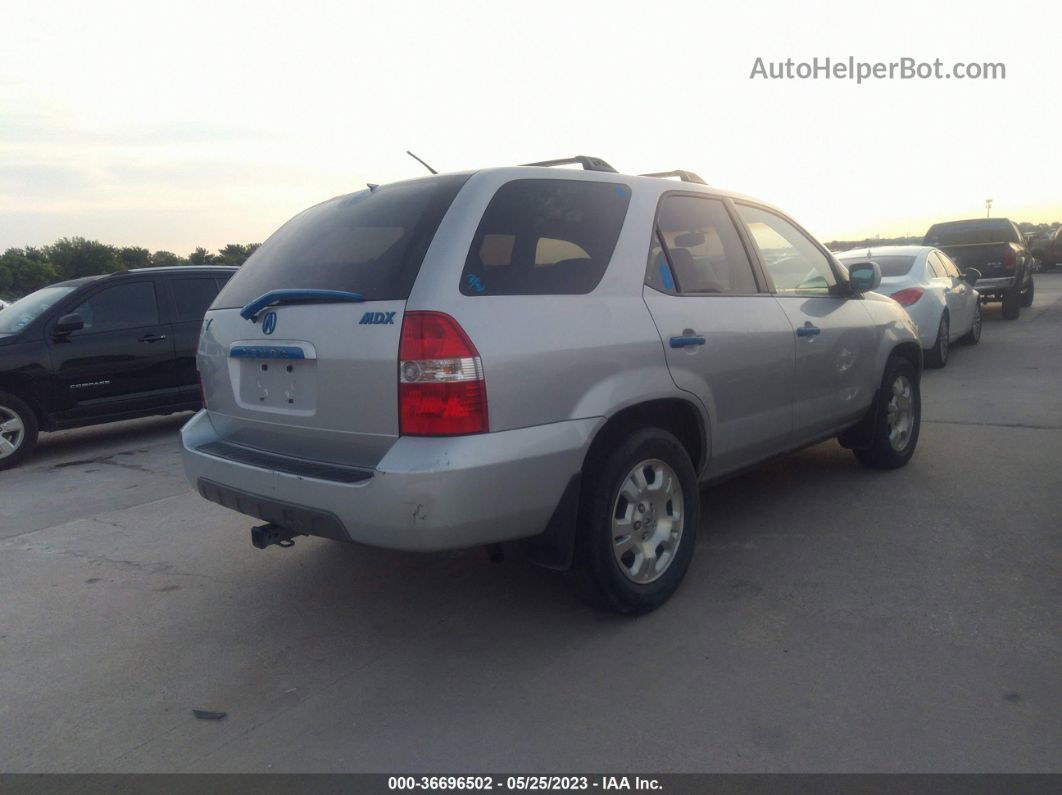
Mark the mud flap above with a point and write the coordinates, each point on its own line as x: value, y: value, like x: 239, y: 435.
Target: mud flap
x: 555, y: 547
x: 861, y: 435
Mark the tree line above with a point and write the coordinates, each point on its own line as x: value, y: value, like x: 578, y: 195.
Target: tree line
x: 23, y: 270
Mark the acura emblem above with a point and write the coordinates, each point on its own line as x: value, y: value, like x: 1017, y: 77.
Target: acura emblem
x: 269, y: 323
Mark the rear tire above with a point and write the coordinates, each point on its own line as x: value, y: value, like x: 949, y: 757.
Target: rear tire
x: 638, y: 518
x: 937, y: 356
x: 1012, y: 304
x: 973, y: 336
x: 898, y: 420
x: 18, y: 430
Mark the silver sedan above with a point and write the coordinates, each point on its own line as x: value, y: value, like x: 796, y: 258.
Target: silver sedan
x: 939, y: 299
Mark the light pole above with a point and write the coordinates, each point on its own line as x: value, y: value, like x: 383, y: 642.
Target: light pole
x: 988, y: 208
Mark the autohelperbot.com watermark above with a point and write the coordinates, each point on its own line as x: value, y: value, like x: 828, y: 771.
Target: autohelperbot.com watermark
x: 851, y: 68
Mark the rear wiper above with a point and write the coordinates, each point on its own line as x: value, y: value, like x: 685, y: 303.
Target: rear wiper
x: 277, y: 297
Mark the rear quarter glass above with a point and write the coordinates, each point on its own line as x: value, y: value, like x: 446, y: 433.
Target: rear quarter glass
x: 545, y: 237
x: 371, y: 242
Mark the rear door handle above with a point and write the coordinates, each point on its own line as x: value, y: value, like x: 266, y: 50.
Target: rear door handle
x: 685, y: 342
x: 808, y: 330
x: 152, y: 338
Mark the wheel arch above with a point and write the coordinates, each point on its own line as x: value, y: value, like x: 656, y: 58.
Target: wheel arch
x: 860, y: 435
x: 678, y: 416
x: 555, y: 547
x: 909, y: 350
x: 27, y: 392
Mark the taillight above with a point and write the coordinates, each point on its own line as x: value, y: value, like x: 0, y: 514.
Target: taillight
x: 441, y: 390
x: 1010, y: 259
x: 908, y: 296
x: 199, y: 381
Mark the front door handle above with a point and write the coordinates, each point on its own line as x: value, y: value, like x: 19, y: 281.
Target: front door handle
x: 808, y: 330
x: 152, y: 338
x: 685, y: 342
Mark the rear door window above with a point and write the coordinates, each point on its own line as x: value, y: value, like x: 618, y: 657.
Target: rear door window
x: 545, y: 237
x: 936, y: 267
x: 949, y: 266
x: 371, y: 242
x: 697, y: 249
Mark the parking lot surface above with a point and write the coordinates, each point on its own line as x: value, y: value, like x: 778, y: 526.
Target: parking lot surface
x: 833, y: 619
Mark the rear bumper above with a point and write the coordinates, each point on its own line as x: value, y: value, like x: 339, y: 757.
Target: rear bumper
x: 425, y: 494
x: 993, y: 286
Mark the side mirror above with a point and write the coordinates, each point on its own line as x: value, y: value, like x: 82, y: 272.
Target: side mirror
x: 864, y: 277
x: 68, y: 323
x: 971, y: 275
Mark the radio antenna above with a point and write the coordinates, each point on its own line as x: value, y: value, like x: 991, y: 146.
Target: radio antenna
x: 432, y: 170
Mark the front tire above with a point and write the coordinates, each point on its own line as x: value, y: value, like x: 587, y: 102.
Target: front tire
x: 18, y: 430
x: 898, y: 420
x: 937, y: 356
x: 638, y: 519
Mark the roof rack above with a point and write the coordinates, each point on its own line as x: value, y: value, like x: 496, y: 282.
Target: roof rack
x: 685, y: 176
x: 588, y: 163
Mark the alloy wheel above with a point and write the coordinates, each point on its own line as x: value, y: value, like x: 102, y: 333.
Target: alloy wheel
x: 12, y: 432
x: 647, y: 521
x: 900, y: 413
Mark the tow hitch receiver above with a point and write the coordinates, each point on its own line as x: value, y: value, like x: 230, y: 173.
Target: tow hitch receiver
x: 267, y: 534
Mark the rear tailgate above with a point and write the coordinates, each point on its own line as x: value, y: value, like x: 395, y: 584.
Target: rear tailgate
x: 315, y: 376
x: 989, y: 258
x: 322, y: 386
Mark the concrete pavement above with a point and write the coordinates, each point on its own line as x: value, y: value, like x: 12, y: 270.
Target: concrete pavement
x: 833, y: 619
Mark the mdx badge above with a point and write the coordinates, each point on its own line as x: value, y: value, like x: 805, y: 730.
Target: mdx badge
x: 377, y: 318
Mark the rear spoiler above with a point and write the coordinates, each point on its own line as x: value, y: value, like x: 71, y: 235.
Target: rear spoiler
x: 277, y: 297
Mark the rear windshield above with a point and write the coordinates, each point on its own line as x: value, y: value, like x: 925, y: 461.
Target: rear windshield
x: 892, y: 265
x: 977, y: 231
x: 371, y: 242
x: 545, y: 237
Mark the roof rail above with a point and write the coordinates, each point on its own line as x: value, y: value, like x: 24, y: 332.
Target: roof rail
x: 685, y: 176
x: 588, y: 163
x: 167, y: 268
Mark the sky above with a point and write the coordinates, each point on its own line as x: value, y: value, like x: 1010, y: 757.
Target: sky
x: 172, y: 126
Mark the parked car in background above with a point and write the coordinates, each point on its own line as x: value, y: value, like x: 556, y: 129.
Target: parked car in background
x: 925, y: 282
x: 475, y: 358
x: 99, y: 349
x: 1047, y: 248
x: 996, y: 248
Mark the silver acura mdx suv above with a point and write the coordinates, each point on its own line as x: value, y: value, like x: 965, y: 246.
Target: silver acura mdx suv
x: 558, y: 355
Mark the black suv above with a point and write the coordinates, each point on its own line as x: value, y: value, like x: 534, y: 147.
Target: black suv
x: 99, y: 349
